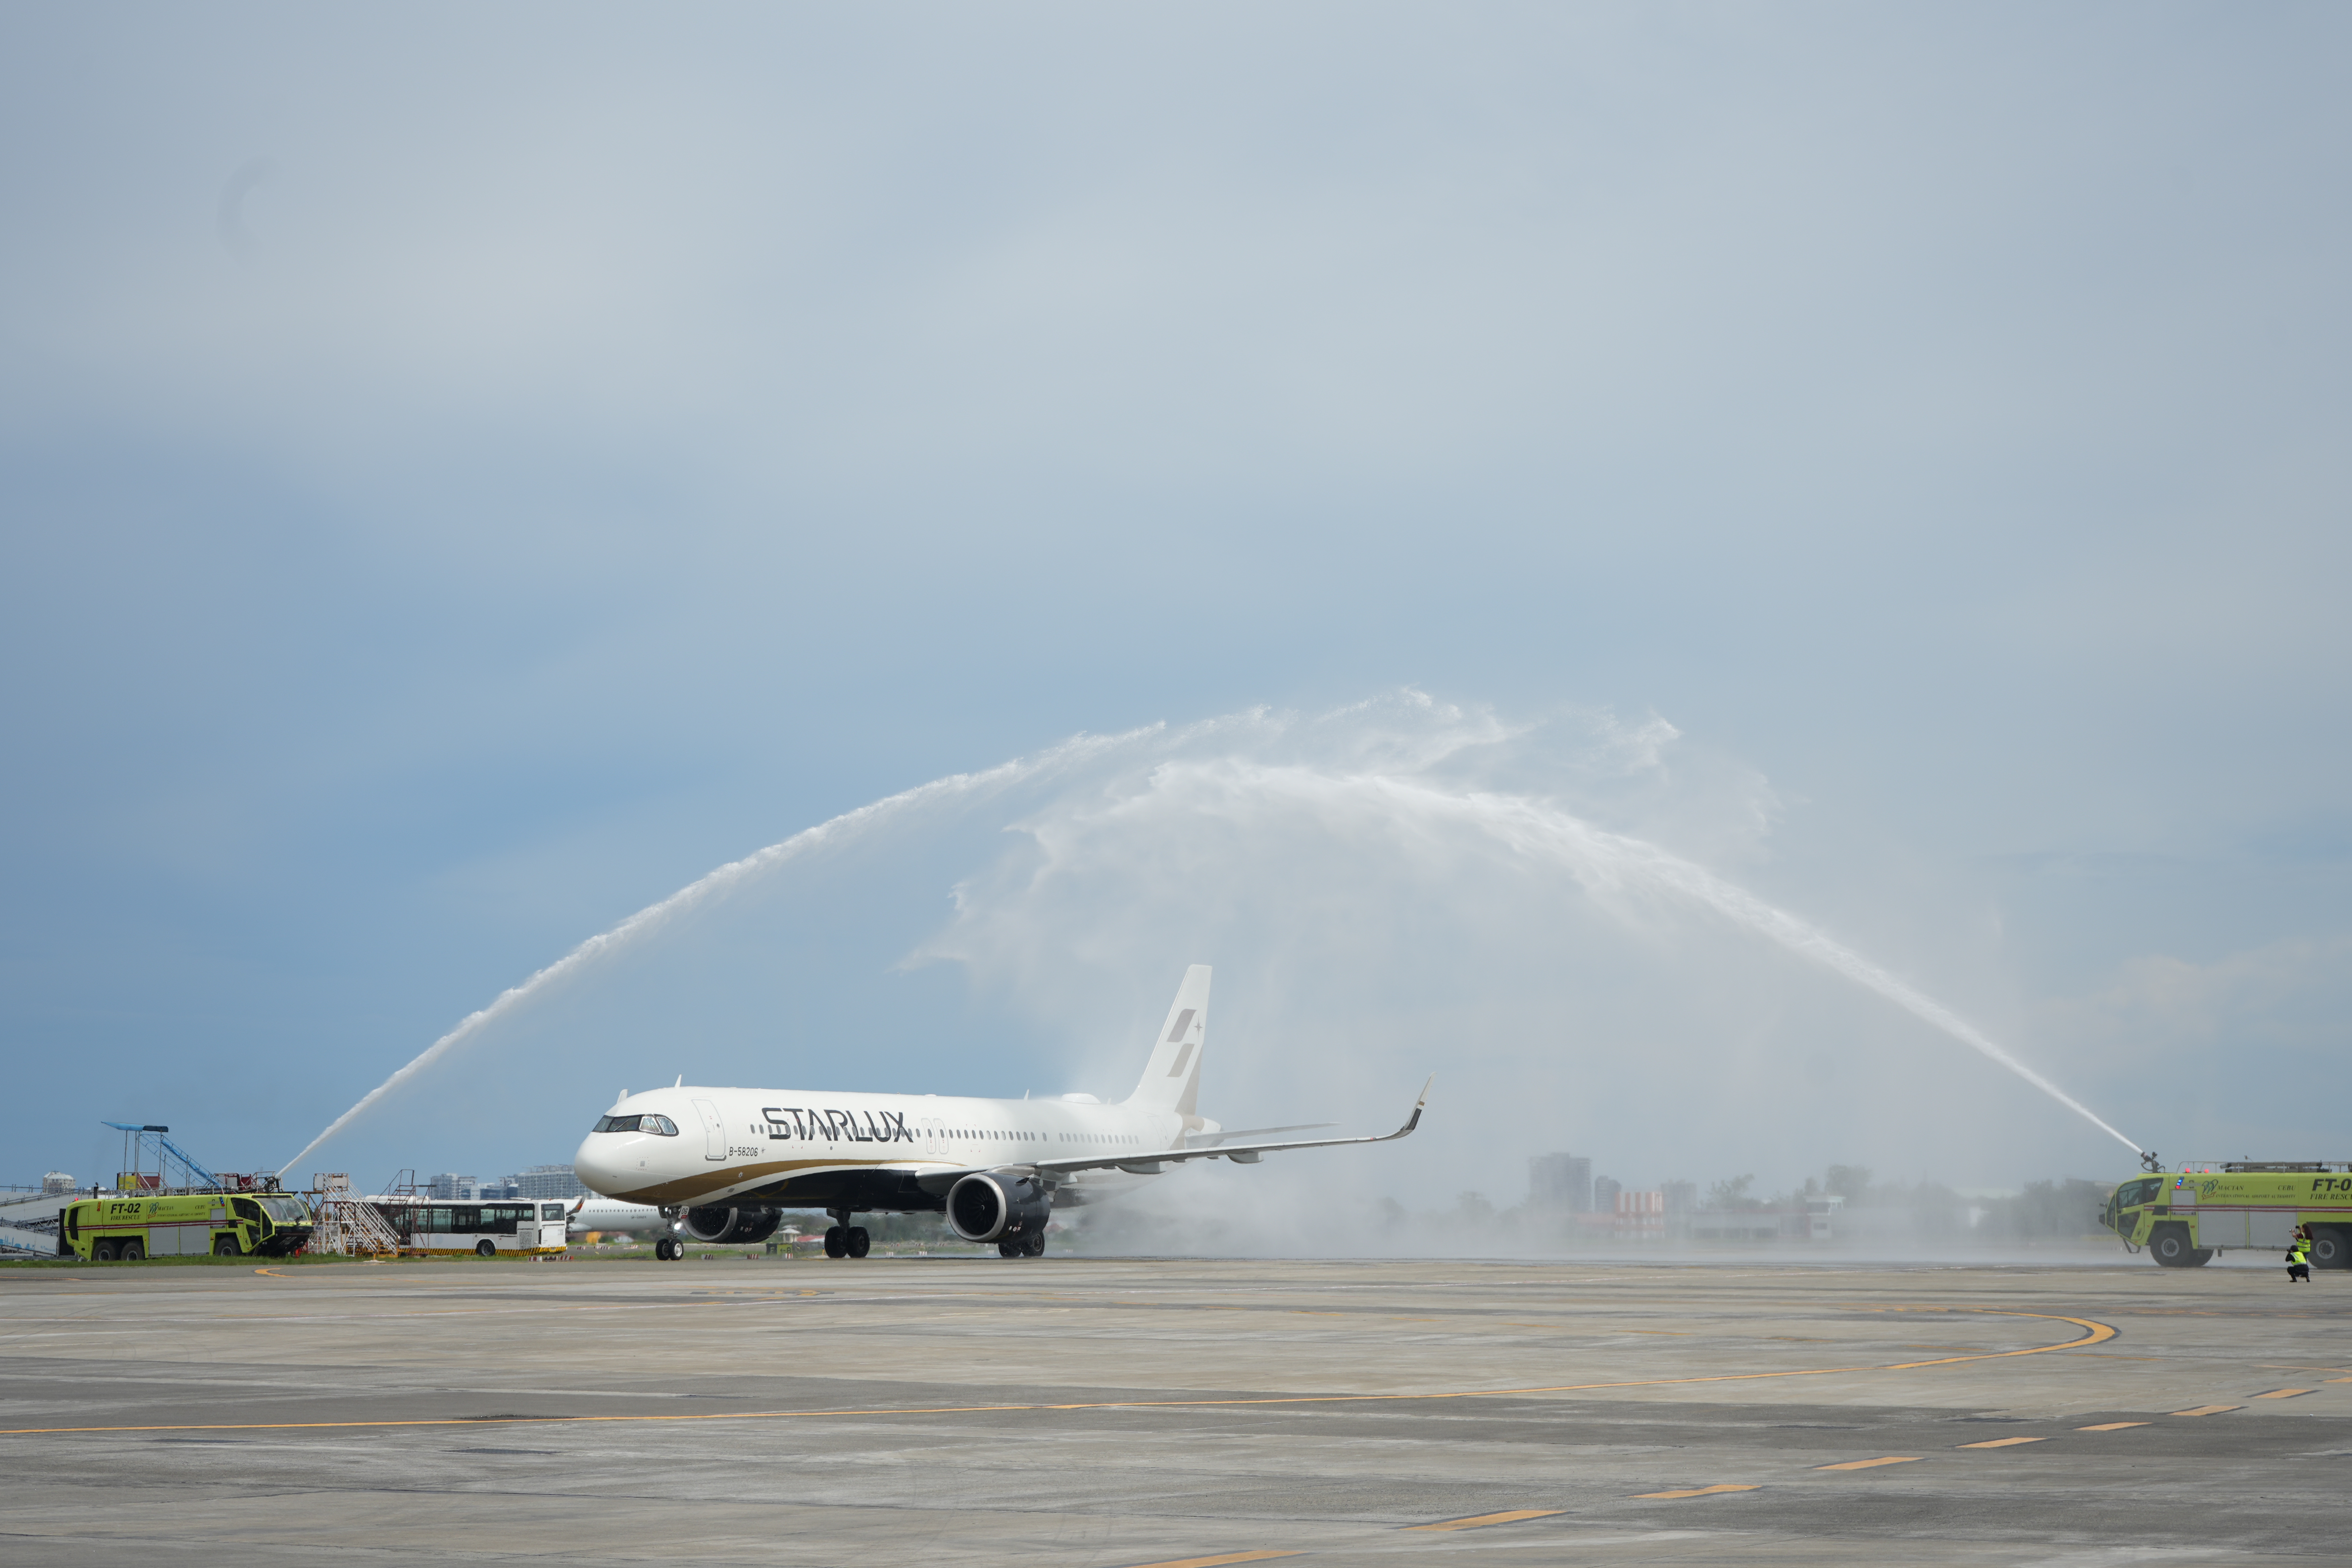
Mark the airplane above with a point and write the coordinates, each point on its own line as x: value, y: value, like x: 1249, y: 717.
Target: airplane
x: 722, y: 1165
x: 592, y: 1213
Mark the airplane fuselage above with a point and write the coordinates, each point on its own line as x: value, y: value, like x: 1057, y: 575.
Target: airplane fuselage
x: 798, y: 1148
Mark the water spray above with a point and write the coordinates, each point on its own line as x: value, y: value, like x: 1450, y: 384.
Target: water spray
x: 1601, y: 860
x: 1530, y: 821
x: 847, y: 825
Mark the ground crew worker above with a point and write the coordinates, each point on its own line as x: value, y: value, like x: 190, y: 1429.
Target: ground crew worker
x: 2299, y: 1257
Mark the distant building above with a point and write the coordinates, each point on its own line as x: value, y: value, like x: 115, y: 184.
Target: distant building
x: 1560, y: 1182
x: 1641, y: 1217
x: 546, y: 1181
x: 1604, y: 1194
x: 57, y: 1182
x: 1682, y: 1197
x: 451, y: 1187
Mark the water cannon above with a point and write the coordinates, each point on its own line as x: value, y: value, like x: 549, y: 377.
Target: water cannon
x: 2150, y: 1163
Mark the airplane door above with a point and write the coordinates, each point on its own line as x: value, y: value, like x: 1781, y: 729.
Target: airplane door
x: 931, y: 1135
x: 714, y: 1130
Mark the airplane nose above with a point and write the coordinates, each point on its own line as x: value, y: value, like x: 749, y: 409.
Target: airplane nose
x: 597, y: 1176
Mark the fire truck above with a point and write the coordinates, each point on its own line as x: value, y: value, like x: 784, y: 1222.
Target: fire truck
x: 131, y: 1226
x: 2183, y: 1218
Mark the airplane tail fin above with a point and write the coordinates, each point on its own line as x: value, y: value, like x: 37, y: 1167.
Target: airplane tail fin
x: 1172, y: 1078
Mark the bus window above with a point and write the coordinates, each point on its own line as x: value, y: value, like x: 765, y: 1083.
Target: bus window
x: 550, y: 1211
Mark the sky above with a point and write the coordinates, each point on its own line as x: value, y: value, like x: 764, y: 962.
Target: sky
x: 464, y: 475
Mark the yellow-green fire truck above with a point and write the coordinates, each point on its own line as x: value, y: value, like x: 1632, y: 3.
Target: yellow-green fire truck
x: 2184, y: 1217
x: 183, y: 1224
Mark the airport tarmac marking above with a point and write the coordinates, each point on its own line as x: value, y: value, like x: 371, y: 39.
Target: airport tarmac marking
x: 2111, y: 1427
x: 2003, y: 1442
x: 2283, y: 1394
x: 2209, y: 1410
x: 2096, y: 1333
x: 1481, y: 1521
x: 1699, y: 1491
x: 1220, y: 1560
x: 1872, y: 1464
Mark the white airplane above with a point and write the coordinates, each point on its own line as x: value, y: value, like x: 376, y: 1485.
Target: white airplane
x: 722, y: 1165
x: 605, y: 1215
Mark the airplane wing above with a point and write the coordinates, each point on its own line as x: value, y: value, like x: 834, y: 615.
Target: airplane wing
x: 1152, y: 1163
x: 1226, y: 1135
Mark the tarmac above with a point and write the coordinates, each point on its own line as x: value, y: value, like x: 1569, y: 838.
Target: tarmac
x: 1070, y: 1412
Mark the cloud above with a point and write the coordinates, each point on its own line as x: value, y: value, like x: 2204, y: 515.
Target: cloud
x: 626, y: 442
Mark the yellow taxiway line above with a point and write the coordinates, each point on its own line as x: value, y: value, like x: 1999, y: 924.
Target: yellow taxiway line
x: 1480, y: 1521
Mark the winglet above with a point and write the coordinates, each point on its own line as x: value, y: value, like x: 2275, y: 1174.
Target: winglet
x: 1418, y: 1106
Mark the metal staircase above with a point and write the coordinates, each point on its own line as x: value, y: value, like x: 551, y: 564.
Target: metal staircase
x: 344, y: 1223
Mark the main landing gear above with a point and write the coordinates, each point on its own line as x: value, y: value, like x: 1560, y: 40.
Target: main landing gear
x: 842, y: 1239
x: 1021, y: 1245
x: 669, y: 1249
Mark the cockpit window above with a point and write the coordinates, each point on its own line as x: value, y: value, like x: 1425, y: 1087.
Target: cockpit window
x: 660, y: 1125
x: 2131, y: 1194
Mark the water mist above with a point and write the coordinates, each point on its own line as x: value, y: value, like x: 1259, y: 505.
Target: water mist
x: 1388, y: 777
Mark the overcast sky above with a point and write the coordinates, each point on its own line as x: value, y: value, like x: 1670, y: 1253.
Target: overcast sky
x: 466, y: 474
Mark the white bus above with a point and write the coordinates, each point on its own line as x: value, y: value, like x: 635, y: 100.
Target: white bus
x: 430, y: 1228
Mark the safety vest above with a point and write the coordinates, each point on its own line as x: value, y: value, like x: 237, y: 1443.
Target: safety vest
x: 2299, y: 1252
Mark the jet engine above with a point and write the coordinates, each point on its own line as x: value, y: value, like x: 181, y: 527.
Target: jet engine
x: 992, y: 1207
x: 742, y: 1227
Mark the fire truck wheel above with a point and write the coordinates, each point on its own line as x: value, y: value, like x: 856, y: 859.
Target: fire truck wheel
x: 486, y: 1247
x: 2331, y: 1246
x: 2170, y: 1247
x: 133, y: 1250
x: 225, y: 1247
x: 101, y: 1252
